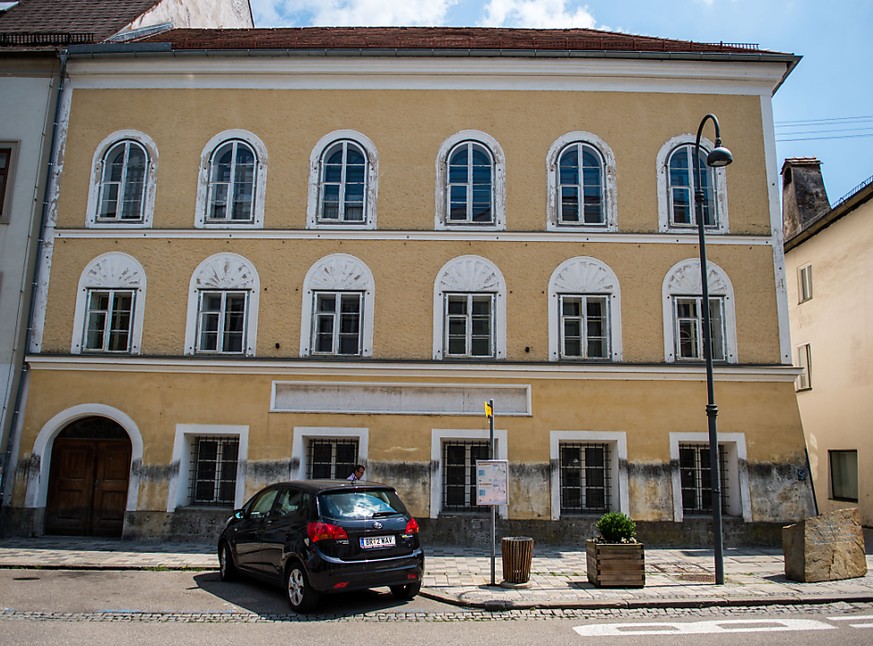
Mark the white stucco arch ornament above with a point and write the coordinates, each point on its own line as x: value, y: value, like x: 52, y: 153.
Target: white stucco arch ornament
x: 41, y: 456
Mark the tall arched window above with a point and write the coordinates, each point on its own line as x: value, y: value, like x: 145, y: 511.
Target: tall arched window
x: 123, y: 181
x: 343, y: 176
x: 470, y: 182
x: 581, y: 184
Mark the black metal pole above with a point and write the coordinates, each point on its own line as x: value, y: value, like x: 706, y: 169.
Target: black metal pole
x: 711, y: 408
x: 493, y: 508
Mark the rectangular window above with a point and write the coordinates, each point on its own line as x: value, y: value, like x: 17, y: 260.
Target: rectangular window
x: 108, y: 320
x: 469, y: 329
x: 584, y: 327
x: 459, y: 474
x: 331, y: 458
x: 585, y: 477
x: 696, y: 478
x: 221, y: 325
x: 688, y: 332
x: 804, y: 356
x: 804, y: 283
x: 844, y: 475
x: 5, y: 175
x: 337, y: 325
x: 213, y: 468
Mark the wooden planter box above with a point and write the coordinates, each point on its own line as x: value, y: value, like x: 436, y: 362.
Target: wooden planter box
x: 616, y: 565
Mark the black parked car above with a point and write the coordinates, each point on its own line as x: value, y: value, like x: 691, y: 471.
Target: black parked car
x: 323, y: 536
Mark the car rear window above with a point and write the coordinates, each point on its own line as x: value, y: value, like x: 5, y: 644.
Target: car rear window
x: 360, y: 504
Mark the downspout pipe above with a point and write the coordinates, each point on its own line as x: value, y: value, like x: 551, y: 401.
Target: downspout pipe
x: 7, y: 477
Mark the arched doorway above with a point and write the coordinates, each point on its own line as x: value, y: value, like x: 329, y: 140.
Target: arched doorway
x: 88, y: 481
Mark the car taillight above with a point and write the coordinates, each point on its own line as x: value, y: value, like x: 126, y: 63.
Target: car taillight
x: 325, y: 532
x: 412, y: 526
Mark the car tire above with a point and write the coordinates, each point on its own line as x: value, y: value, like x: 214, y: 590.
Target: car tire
x: 406, y: 592
x: 300, y: 594
x: 226, y: 565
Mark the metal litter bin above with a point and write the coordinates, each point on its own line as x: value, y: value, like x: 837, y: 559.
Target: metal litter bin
x: 517, y: 552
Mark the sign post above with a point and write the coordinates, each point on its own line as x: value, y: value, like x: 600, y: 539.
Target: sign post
x: 492, y: 483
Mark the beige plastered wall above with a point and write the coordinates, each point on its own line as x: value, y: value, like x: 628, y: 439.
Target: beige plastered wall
x: 836, y: 412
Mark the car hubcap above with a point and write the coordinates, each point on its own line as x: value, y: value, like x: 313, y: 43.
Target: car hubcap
x: 295, y: 587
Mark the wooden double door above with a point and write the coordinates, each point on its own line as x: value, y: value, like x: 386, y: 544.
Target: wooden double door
x: 88, y: 482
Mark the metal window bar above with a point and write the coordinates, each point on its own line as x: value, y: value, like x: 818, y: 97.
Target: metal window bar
x: 213, y: 469
x: 585, y: 477
x: 459, y: 474
x: 331, y: 458
x: 696, y: 480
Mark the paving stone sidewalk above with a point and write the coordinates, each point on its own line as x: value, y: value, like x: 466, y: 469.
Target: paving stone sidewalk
x: 462, y: 574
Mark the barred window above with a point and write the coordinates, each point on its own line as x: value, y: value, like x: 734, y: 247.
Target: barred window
x: 585, y: 477
x: 213, y: 468
x: 696, y: 478
x: 459, y: 474
x: 331, y: 458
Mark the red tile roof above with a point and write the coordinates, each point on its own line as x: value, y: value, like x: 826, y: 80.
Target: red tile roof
x: 434, y: 38
x: 58, y: 22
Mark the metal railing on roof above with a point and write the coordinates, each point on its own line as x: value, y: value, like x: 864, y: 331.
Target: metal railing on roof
x: 857, y: 189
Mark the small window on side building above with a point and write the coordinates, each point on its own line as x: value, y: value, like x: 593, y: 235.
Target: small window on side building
x: 843, y: 475
x: 804, y: 283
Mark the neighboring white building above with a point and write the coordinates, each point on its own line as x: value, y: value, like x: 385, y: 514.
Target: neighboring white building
x: 33, y: 33
x: 829, y: 260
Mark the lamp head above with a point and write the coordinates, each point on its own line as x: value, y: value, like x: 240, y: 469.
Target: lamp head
x: 719, y: 156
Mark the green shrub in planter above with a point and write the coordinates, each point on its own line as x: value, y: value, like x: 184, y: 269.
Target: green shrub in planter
x: 615, y: 527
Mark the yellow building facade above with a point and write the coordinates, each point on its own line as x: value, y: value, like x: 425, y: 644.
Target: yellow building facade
x: 277, y: 266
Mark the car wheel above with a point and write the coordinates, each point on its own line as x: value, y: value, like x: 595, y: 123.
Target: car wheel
x: 406, y: 591
x: 226, y: 565
x: 301, y: 596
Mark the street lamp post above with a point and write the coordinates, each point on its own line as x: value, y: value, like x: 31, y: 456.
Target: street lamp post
x: 719, y: 156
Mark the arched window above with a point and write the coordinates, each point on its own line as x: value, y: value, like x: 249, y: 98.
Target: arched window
x: 683, y: 314
x: 233, y: 173
x: 470, y: 182
x: 469, y: 310
x: 109, y: 306
x: 123, y: 181
x: 337, y: 312
x: 679, y: 183
x: 581, y: 176
x: 584, y: 311
x: 342, y: 180
x: 223, y: 302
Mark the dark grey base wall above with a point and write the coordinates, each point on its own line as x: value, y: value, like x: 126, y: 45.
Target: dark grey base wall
x: 204, y: 525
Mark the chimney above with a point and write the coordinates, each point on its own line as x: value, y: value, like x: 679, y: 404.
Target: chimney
x: 804, y: 197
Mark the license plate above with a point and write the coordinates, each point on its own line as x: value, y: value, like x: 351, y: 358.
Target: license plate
x: 375, y: 542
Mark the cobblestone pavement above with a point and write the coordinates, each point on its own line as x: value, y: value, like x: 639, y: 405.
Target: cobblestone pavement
x: 461, y: 575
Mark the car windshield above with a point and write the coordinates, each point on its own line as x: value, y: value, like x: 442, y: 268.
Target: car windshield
x: 360, y: 504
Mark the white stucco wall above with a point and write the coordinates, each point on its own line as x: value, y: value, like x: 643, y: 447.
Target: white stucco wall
x: 198, y: 14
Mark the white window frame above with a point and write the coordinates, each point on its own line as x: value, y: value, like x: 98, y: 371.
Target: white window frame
x: 118, y: 271
x: 150, y: 181
x: 683, y: 280
x: 338, y: 272
x: 470, y: 275
x: 302, y: 435
x: 665, y: 211
x: 201, y: 219
x: 178, y: 489
x: 804, y: 283
x: 221, y: 332
x: 584, y: 275
x: 736, y: 472
x: 336, y: 318
x: 438, y: 436
x: 719, y: 350
x: 223, y: 272
x: 617, y: 442
x: 316, y: 158
x: 469, y: 299
x: 803, y: 353
x: 113, y: 294
x: 608, y: 174
x: 498, y: 182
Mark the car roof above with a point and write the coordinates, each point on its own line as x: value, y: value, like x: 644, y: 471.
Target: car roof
x: 319, y: 486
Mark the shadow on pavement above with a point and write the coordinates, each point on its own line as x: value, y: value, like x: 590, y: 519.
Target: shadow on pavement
x: 269, y: 601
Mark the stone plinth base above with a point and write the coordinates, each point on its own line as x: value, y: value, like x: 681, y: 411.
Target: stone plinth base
x: 829, y: 547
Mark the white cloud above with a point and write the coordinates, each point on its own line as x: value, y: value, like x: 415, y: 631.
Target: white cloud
x: 334, y: 13
x: 536, y: 14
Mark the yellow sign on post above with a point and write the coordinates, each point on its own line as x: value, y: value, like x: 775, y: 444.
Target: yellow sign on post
x: 489, y: 410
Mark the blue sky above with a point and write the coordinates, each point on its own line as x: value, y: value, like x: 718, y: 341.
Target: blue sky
x: 825, y: 108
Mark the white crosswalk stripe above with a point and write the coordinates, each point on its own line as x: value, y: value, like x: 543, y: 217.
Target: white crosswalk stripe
x: 702, y: 627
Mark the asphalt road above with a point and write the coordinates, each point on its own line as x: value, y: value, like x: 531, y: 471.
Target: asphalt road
x: 159, y: 607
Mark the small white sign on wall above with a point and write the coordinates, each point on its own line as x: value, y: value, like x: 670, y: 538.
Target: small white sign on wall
x: 492, y: 482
